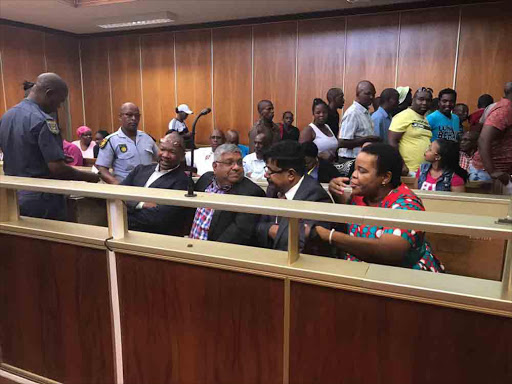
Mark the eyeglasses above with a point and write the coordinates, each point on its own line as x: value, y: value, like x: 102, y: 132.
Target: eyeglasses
x: 231, y: 164
x: 270, y: 171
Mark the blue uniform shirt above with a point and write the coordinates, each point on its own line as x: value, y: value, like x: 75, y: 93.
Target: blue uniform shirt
x: 381, y: 122
x: 30, y: 139
x: 444, y: 127
x: 123, y: 154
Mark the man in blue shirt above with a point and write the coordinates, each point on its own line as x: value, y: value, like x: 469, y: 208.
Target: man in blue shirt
x: 126, y: 148
x: 445, y: 124
x: 382, y: 116
x: 32, y: 145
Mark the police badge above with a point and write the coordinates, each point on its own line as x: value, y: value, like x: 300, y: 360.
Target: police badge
x: 53, y: 127
x: 123, y: 148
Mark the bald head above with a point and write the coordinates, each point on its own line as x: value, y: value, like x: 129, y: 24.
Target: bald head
x: 232, y: 137
x: 266, y: 110
x: 129, y: 117
x: 216, y: 139
x: 49, y: 92
x: 171, y: 151
x: 365, y: 93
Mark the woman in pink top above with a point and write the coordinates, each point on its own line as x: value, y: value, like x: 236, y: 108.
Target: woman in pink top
x: 85, y: 142
x: 442, y: 171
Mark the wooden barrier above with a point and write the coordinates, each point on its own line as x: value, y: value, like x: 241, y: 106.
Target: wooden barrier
x: 91, y: 304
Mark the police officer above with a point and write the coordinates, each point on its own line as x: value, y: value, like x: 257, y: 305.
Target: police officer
x: 126, y: 148
x: 32, y: 146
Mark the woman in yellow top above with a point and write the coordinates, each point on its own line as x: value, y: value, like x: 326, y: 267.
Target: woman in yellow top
x: 410, y: 132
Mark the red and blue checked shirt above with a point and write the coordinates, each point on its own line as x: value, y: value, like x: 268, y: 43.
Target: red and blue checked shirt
x: 203, y: 216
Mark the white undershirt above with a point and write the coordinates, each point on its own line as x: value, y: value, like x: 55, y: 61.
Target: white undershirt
x: 293, y: 190
x: 154, y: 177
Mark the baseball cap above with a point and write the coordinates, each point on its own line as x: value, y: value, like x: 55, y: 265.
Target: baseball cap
x: 184, y: 108
x: 402, y: 93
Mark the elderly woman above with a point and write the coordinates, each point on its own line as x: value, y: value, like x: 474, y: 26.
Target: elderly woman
x: 85, y: 142
x: 376, y: 183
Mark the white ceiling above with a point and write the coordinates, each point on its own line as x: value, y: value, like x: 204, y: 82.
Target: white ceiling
x: 58, y: 14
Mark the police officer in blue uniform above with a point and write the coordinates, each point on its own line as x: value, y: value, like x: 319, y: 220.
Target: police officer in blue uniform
x: 126, y: 148
x: 32, y: 145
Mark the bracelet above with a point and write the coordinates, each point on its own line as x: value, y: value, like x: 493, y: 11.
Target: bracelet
x: 330, y: 236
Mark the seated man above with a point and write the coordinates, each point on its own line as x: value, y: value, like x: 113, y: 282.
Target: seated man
x: 254, y: 165
x: 168, y: 174
x: 233, y: 137
x: 285, y: 170
x: 227, y: 178
x: 316, y: 167
x: 203, y: 157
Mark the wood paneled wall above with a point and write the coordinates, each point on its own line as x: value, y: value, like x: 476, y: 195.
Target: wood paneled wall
x: 231, y: 68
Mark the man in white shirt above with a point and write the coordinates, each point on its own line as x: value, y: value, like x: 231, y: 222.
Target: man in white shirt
x: 203, y: 157
x: 254, y: 165
x: 356, y: 124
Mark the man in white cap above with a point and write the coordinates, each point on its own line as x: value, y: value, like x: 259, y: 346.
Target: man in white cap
x: 404, y: 99
x: 178, y: 124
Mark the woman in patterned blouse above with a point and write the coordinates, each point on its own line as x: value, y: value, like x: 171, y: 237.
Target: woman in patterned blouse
x: 376, y: 183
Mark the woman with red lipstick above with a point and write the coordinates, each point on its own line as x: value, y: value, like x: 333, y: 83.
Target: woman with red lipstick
x: 376, y: 183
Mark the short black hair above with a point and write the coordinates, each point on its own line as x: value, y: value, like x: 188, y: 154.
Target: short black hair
x: 316, y: 102
x: 263, y: 102
x: 310, y: 149
x: 290, y: 112
x: 287, y: 154
x: 461, y: 105
x: 388, y: 160
x: 333, y: 93
x: 388, y: 94
x: 485, y: 100
x: 28, y: 85
x: 447, y: 91
x: 103, y: 133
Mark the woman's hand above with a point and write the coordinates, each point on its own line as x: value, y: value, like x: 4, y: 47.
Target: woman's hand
x: 323, y: 233
x: 337, y: 188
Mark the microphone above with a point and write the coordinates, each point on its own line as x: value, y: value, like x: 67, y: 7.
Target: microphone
x: 190, y: 190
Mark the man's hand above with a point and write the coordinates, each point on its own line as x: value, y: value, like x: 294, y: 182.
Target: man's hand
x: 149, y: 205
x: 272, y: 231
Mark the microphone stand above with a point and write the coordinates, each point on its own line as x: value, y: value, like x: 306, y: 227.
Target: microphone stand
x: 190, y: 191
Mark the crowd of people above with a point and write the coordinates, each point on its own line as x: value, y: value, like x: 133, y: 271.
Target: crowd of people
x: 362, y: 156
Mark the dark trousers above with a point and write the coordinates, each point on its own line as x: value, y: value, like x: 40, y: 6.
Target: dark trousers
x: 42, y: 205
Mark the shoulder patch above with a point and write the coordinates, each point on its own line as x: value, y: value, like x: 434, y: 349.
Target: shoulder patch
x: 53, y: 127
x: 103, y: 143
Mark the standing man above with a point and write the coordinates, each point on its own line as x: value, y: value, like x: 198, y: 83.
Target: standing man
x: 32, y: 145
x: 495, y: 142
x: 126, y: 148
x: 383, y: 115
x: 335, y: 100
x: 254, y: 165
x: 409, y: 131
x: 203, y: 157
x: 443, y: 123
x: 169, y: 173
x: 265, y: 124
x: 233, y: 137
x: 357, y: 124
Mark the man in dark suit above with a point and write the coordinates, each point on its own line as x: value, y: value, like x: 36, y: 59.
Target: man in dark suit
x: 285, y: 171
x: 167, y: 174
x: 227, y: 178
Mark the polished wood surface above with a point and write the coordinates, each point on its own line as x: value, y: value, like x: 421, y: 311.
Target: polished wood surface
x: 371, y: 52
x: 23, y: 59
x: 158, y: 82
x: 194, y: 87
x: 275, y: 49
x: 63, y: 58
x: 320, y: 61
x: 428, y: 46
x: 344, y: 337
x: 485, y: 54
x: 125, y: 74
x: 200, y: 324
x: 232, y: 71
x: 55, y: 319
x: 96, y: 84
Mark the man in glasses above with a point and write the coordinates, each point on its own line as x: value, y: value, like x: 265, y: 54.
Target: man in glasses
x: 227, y: 178
x: 285, y: 170
x: 126, y: 148
x: 203, y: 157
x: 410, y: 132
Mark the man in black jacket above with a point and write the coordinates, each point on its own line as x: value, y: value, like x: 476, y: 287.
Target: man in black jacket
x: 227, y: 178
x: 168, y: 174
x: 285, y: 170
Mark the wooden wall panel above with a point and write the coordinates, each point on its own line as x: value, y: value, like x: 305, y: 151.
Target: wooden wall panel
x: 359, y: 338
x: 63, y: 58
x: 232, y: 72
x: 320, y: 63
x: 3, y: 106
x: 158, y: 82
x: 55, y: 318
x: 485, y: 53
x: 275, y: 49
x: 428, y: 46
x: 193, y: 60
x: 96, y: 84
x: 190, y: 324
x: 22, y: 59
x: 125, y: 74
x: 371, y: 52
